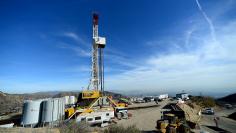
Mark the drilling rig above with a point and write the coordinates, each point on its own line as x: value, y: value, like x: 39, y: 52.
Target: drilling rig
x: 92, y: 100
x: 95, y: 88
x: 99, y: 43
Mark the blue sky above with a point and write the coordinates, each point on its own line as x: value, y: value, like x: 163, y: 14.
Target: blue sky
x: 155, y: 45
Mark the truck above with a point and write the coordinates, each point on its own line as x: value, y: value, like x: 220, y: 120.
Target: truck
x: 162, y: 97
x: 183, y: 96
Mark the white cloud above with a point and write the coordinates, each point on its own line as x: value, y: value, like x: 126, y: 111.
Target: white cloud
x: 210, y: 66
x: 77, y: 38
x: 78, y: 50
x: 209, y: 21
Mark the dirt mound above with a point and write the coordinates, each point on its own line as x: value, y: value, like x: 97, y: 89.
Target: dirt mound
x: 191, y: 113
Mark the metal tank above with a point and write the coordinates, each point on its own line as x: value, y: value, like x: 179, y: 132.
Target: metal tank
x: 53, y: 110
x: 72, y: 99
x: 31, y: 112
x: 62, y: 108
x: 47, y: 111
x: 66, y: 99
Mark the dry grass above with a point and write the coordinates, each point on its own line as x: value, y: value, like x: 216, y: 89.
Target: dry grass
x: 203, y: 101
x: 122, y: 129
x: 74, y: 127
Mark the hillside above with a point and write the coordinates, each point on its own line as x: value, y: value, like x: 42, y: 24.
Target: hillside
x: 230, y: 98
x: 9, y: 103
x: 14, y: 102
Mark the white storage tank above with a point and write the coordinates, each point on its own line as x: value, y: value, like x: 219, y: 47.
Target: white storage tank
x: 31, y: 112
x: 66, y: 99
x: 62, y: 108
x: 47, y: 107
x: 72, y: 99
x: 53, y: 110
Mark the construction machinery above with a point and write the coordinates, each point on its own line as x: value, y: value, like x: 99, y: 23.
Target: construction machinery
x: 173, y: 120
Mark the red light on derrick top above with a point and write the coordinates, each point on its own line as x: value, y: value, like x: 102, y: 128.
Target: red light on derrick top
x: 95, y: 19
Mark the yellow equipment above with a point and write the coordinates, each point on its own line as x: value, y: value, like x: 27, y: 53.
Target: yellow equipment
x: 90, y: 94
x: 162, y: 124
x: 69, y: 112
x: 116, y: 104
x: 121, y: 105
x: 171, y: 123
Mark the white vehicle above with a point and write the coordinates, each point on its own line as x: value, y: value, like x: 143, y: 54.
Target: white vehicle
x: 208, y: 111
x: 183, y: 96
x: 96, y: 117
x: 121, y: 113
x: 163, y: 96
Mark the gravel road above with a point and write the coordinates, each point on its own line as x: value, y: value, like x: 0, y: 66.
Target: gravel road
x: 144, y: 119
x: 223, y: 122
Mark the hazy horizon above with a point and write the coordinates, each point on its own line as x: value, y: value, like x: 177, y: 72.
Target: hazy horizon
x: 140, y: 93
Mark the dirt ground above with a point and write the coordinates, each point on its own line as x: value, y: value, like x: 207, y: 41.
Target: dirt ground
x: 29, y: 130
x: 144, y: 119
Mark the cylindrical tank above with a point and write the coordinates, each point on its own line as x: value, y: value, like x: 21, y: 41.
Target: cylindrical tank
x: 31, y: 112
x: 46, y: 111
x: 53, y: 110
x: 66, y: 99
x: 62, y: 108
x: 72, y: 99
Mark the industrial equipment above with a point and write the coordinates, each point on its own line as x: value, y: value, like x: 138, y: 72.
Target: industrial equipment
x: 92, y: 102
x: 96, y: 85
x: 69, y: 112
x: 173, y: 120
x: 31, y: 113
x: 43, y: 111
x: 99, y: 43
